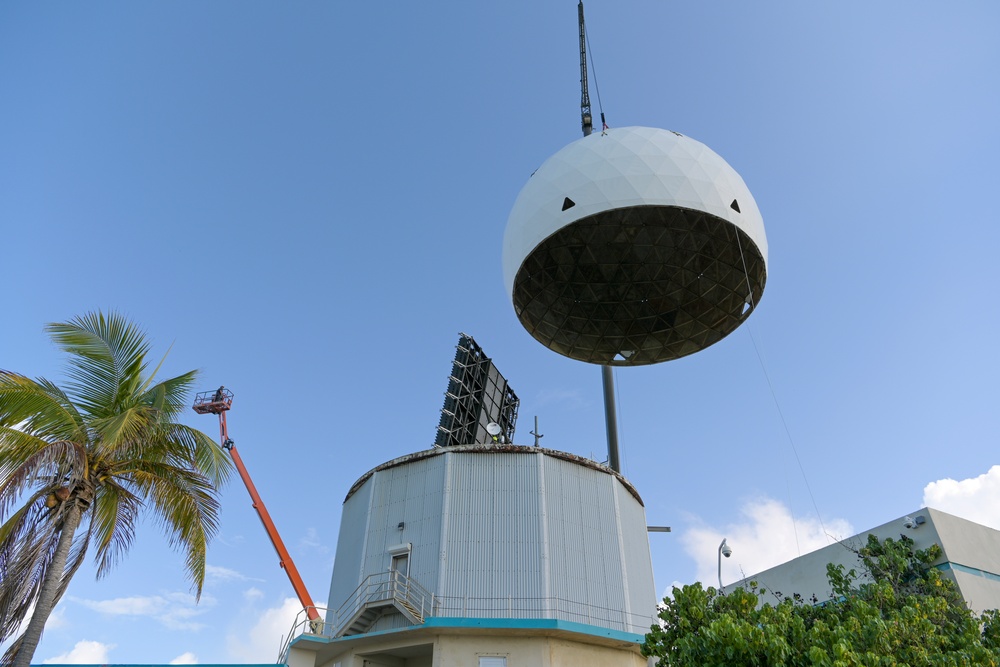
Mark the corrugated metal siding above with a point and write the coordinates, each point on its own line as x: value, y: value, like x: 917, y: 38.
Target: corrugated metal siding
x: 350, y: 547
x: 638, y: 563
x: 425, y: 508
x: 568, y: 574
x: 391, y: 620
x: 411, y: 494
x: 546, y: 557
x: 586, y: 567
x: 504, y: 534
x: 493, y: 546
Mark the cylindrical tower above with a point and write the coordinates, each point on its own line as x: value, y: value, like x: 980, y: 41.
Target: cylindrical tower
x: 491, y: 550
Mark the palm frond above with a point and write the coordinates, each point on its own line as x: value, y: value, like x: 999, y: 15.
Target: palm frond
x: 21, y: 523
x: 113, y: 520
x: 15, y: 447
x: 27, y: 541
x: 149, y: 379
x: 23, y: 576
x: 171, y: 396
x: 180, y: 446
x: 84, y: 461
x: 39, y: 407
x: 63, y: 419
x: 31, y: 566
x: 107, y: 360
x: 11, y: 652
x: 186, y: 506
x: 52, y: 466
x: 206, y: 454
x: 122, y: 434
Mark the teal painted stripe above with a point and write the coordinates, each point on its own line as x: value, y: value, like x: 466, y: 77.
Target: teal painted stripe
x: 333, y: 640
x: 969, y: 570
x: 488, y: 623
x: 532, y: 624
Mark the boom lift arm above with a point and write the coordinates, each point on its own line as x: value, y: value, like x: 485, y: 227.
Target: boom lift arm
x: 219, y: 402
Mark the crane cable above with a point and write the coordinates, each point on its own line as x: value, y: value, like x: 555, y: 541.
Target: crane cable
x: 597, y: 88
x: 777, y: 406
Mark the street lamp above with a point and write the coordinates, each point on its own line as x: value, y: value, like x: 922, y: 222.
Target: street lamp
x: 724, y: 550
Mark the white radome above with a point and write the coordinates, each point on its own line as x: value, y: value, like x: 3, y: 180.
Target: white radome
x: 632, y: 246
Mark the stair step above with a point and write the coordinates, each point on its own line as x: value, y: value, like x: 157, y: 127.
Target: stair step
x: 378, y: 595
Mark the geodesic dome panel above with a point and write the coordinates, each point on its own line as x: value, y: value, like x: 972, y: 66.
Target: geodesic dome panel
x: 634, y: 246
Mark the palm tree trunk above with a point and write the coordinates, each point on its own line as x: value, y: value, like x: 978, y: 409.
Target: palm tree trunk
x: 47, y: 595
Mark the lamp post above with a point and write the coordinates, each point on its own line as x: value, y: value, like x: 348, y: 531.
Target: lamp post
x: 724, y: 550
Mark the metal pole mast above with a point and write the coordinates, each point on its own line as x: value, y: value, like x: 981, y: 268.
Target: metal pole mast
x: 585, y: 115
x: 607, y: 373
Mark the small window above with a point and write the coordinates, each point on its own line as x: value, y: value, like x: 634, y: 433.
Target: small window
x: 492, y: 661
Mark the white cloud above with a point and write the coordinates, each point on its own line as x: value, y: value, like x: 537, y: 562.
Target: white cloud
x: 188, y: 658
x: 231, y: 540
x: 669, y: 590
x: 173, y: 610
x: 311, y: 540
x: 976, y: 498
x: 764, y: 538
x: 252, y: 594
x: 262, y: 642
x: 219, y: 573
x: 57, y: 619
x: 85, y: 652
x: 184, y: 606
x: 132, y: 606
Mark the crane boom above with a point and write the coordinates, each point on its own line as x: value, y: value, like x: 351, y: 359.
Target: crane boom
x: 585, y: 114
x: 219, y: 402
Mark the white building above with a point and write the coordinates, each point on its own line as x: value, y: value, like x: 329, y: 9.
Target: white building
x: 970, y: 557
x: 486, y: 556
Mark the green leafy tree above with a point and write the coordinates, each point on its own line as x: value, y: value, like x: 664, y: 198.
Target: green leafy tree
x: 899, y: 611
x: 78, y: 465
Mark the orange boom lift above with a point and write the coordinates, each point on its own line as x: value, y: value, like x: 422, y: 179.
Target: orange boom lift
x: 219, y: 402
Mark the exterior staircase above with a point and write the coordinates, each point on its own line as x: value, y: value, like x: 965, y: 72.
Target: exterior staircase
x: 378, y: 595
x: 363, y: 621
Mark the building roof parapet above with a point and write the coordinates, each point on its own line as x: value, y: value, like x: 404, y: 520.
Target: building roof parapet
x: 494, y: 449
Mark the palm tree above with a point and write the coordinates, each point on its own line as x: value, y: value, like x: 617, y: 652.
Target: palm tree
x: 78, y: 464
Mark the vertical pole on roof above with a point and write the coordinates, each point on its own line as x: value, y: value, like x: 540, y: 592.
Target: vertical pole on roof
x: 607, y: 373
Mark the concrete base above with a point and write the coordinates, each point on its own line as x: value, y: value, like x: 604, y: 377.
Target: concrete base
x: 462, y: 647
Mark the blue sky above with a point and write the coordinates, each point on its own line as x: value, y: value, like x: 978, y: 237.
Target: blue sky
x: 307, y: 201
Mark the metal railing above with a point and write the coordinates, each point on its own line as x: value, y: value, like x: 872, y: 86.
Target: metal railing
x: 300, y: 626
x: 387, y: 587
x: 384, y: 587
x: 539, y: 607
x: 392, y: 586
